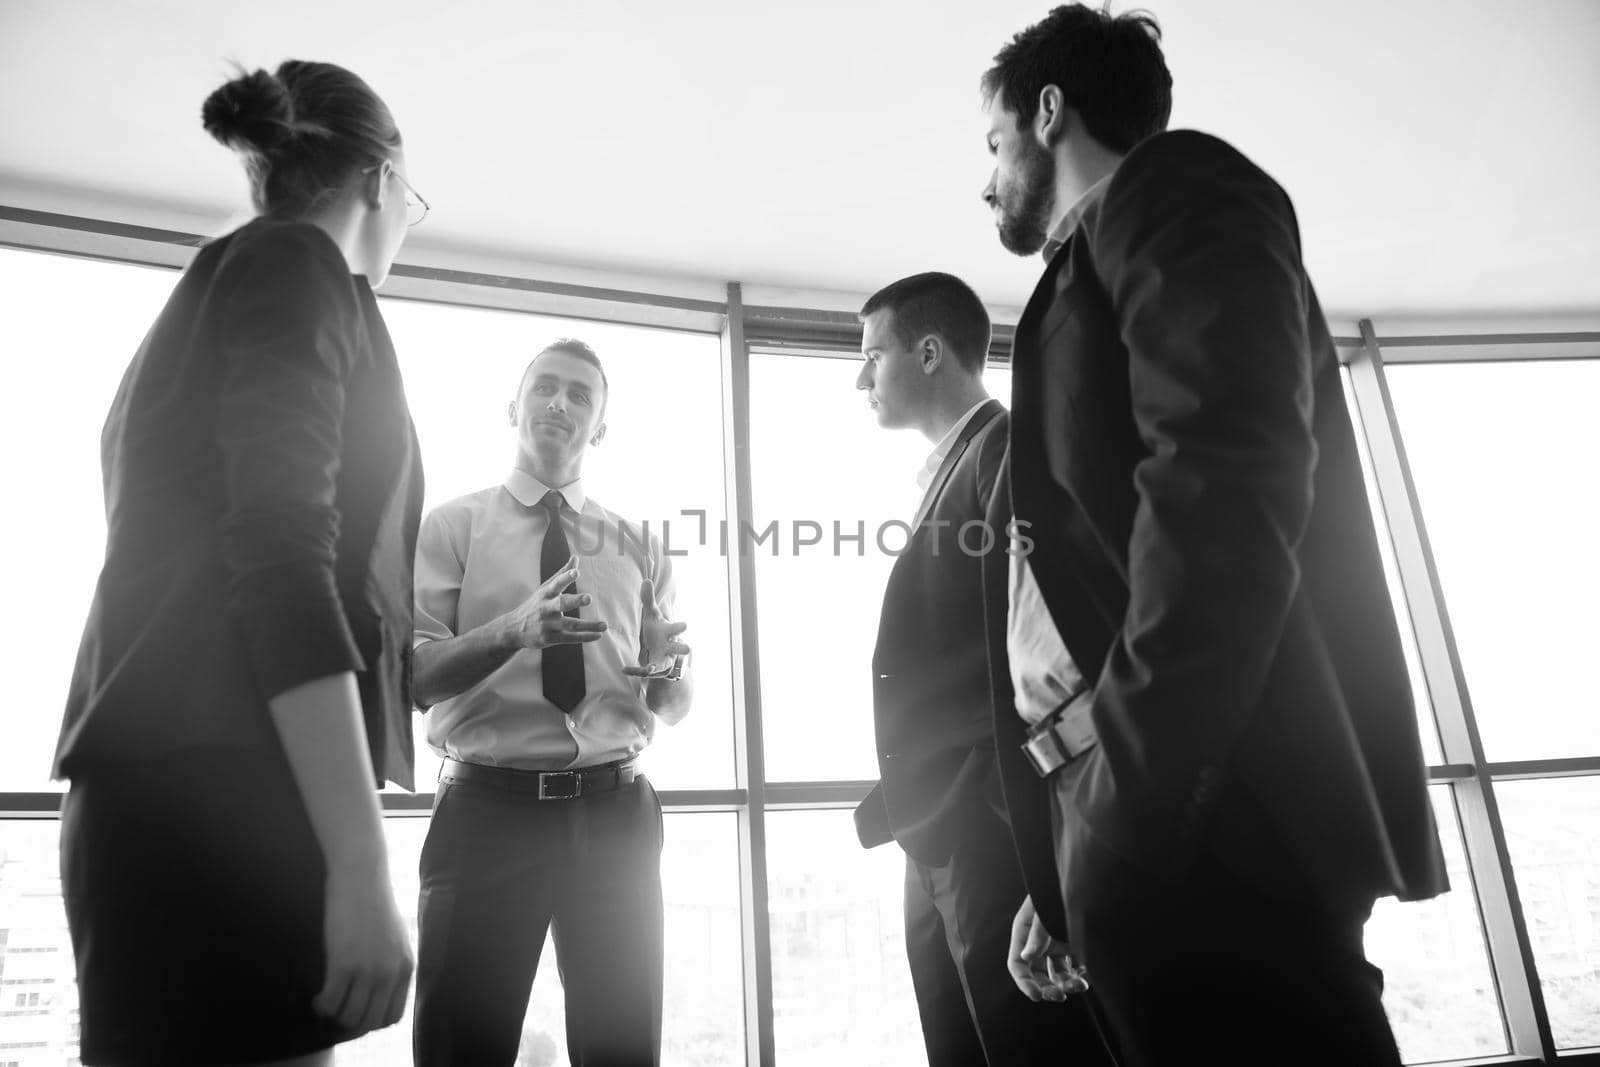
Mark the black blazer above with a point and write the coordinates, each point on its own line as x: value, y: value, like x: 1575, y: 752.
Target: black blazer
x: 263, y: 490
x: 1185, y: 464
x: 930, y: 671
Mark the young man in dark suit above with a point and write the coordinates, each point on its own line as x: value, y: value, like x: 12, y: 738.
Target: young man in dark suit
x: 924, y: 343
x: 1202, y: 651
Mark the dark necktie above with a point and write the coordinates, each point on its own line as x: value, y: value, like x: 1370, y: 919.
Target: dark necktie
x: 563, y: 664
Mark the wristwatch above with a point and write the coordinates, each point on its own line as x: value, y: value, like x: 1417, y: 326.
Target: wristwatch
x: 669, y: 673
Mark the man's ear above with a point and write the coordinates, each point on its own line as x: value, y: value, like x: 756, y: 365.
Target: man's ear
x: 930, y: 353
x: 599, y: 434
x: 1050, y: 121
x: 511, y: 412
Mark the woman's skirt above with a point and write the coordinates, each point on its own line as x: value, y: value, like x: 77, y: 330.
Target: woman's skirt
x: 194, y: 892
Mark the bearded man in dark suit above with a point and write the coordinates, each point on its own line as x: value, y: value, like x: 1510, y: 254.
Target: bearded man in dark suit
x: 1204, y: 669
x: 924, y: 343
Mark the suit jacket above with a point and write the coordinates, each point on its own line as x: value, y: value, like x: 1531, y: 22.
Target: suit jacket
x: 1184, y: 463
x: 930, y: 671
x: 263, y: 490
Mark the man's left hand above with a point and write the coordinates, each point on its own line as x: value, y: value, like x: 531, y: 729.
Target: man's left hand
x: 658, y: 638
x: 1041, y: 966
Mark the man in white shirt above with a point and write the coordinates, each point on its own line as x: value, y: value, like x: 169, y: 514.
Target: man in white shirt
x: 544, y: 652
x: 924, y: 343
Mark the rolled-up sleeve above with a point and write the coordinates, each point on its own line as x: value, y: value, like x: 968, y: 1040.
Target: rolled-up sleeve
x: 661, y: 572
x: 289, y: 341
x: 438, y: 579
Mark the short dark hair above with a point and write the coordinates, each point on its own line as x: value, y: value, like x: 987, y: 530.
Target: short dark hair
x: 1109, y: 69
x: 572, y: 347
x: 935, y: 302
x: 303, y: 132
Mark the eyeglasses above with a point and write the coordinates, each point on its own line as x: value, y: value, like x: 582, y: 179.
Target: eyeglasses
x: 416, y: 207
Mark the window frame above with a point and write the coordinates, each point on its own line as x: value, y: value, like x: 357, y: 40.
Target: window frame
x: 805, y: 332
x: 1469, y: 774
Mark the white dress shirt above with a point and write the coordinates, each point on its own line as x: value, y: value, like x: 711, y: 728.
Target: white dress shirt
x: 1042, y: 671
x: 942, y: 449
x: 477, y: 558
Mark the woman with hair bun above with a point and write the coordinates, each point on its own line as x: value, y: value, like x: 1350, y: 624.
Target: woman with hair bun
x: 242, y: 681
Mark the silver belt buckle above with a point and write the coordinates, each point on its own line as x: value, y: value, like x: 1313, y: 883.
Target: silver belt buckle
x: 1061, y: 738
x: 548, y: 790
x: 1043, y: 752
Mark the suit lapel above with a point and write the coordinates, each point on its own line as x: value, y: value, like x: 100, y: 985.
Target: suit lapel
x: 930, y: 499
x: 979, y: 420
x: 1056, y: 278
x: 1028, y: 325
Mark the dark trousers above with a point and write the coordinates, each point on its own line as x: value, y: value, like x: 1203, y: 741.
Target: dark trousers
x: 499, y: 869
x: 1210, y: 968
x: 958, y: 934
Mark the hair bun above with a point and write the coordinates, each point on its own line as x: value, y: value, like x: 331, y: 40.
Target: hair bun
x: 251, y: 112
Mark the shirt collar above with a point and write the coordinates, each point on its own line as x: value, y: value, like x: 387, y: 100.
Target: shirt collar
x: 1069, y: 221
x: 529, y: 491
x: 942, y: 449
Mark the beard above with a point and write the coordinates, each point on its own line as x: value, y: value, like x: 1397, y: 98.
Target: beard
x: 1025, y: 202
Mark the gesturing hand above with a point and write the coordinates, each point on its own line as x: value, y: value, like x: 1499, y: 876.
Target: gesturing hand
x: 658, y: 643
x: 541, y: 620
x: 1040, y: 965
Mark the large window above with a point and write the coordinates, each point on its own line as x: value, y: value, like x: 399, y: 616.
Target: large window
x: 1499, y: 462
x: 662, y: 456
x: 1503, y: 464
x: 841, y: 992
x: 660, y: 462
x: 824, y: 472
x: 63, y: 366
x: 1504, y: 460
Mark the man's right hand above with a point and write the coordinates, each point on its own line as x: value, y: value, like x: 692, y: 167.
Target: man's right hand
x: 541, y: 620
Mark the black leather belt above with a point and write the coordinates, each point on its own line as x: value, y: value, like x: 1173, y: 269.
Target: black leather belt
x: 1061, y: 737
x: 546, y: 785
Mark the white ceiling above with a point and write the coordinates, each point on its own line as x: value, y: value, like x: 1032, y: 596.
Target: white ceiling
x: 1444, y: 155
